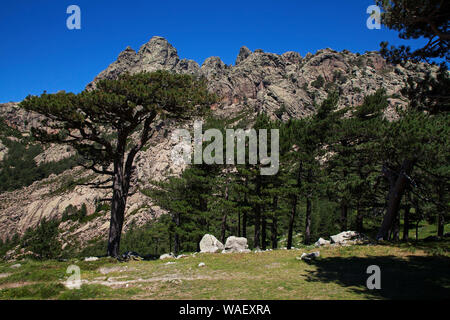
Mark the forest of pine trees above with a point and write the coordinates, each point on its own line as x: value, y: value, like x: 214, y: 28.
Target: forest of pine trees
x: 337, y: 172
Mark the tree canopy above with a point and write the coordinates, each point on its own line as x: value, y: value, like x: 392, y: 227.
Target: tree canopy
x: 415, y: 19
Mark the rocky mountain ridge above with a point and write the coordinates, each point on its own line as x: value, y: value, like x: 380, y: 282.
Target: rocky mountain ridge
x: 282, y: 86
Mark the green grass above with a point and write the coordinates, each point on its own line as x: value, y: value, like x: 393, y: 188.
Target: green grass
x: 425, y: 230
x: 408, y: 271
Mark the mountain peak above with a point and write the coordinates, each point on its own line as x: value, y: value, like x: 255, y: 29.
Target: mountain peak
x: 244, y: 52
x: 159, y: 52
x: 157, y: 43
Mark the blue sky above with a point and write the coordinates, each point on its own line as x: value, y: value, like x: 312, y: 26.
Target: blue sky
x: 38, y: 52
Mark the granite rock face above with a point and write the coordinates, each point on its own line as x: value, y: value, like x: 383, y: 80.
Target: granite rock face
x: 157, y: 54
x: 283, y: 85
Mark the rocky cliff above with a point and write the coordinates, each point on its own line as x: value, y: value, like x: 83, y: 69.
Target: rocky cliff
x: 282, y: 86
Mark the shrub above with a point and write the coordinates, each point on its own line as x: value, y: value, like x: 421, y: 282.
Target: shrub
x: 280, y: 111
x: 72, y: 213
x: 359, y: 62
x: 339, y: 77
x: 318, y: 83
x: 43, y: 241
x: 8, y: 244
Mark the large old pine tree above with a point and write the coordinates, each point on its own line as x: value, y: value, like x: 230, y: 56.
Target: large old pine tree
x: 110, y: 124
x: 415, y: 19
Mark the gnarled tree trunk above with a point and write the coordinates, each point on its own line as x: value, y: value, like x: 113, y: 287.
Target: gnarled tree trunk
x: 118, y: 204
x: 395, y: 197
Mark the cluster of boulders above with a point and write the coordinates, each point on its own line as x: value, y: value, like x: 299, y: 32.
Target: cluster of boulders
x: 210, y: 244
x: 172, y: 256
x: 343, y: 238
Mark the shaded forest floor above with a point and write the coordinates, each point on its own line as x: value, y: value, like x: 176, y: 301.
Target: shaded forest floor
x: 408, y: 271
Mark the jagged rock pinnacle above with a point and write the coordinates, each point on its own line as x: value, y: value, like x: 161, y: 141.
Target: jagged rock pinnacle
x: 244, y: 52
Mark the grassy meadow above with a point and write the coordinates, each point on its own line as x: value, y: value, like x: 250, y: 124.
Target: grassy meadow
x: 414, y: 270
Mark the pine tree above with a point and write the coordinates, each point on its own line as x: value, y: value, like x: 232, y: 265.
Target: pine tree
x: 118, y: 109
x: 355, y: 164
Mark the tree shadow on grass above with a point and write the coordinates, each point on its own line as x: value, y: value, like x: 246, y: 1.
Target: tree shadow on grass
x: 412, y: 277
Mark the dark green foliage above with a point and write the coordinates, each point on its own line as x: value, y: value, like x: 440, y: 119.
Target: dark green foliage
x: 7, y: 131
x: 414, y: 19
x: 339, y: 77
x: 94, y: 248
x: 347, y: 191
x: 43, y: 240
x: 324, y: 220
x: 430, y: 94
x: 74, y: 214
x: 280, y: 111
x: 8, y: 244
x: 373, y: 106
x: 151, y: 239
x: 186, y: 199
x: 359, y: 62
x: 319, y: 82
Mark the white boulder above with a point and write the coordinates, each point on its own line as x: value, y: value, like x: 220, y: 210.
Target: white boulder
x: 91, y: 259
x: 236, y: 244
x: 309, y: 256
x: 167, y: 256
x: 210, y: 244
x: 344, y: 237
x: 321, y: 242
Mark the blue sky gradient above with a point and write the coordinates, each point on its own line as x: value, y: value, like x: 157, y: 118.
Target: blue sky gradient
x: 38, y: 52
